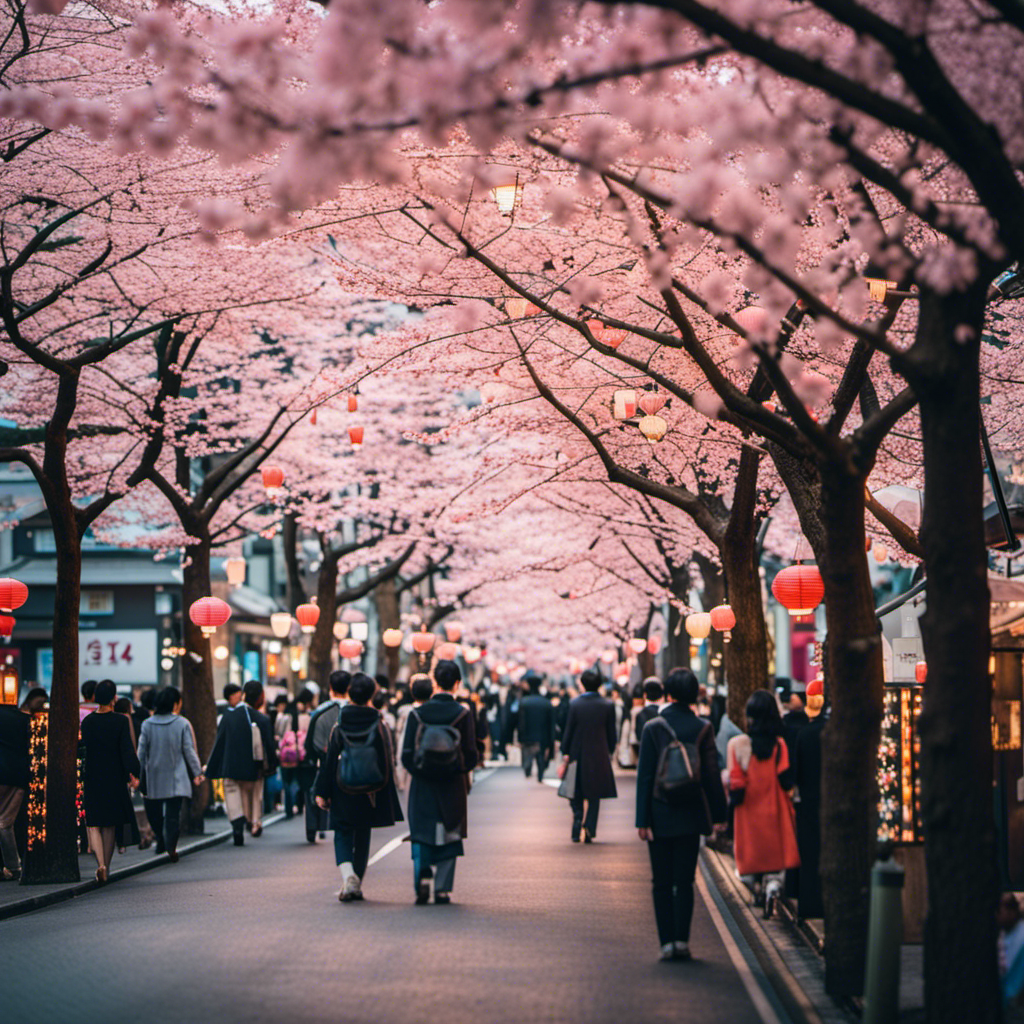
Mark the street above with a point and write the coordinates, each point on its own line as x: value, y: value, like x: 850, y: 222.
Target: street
x: 539, y: 930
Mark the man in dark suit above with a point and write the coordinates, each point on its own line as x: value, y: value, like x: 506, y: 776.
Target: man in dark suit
x: 654, y: 692
x: 232, y: 760
x: 437, y: 805
x: 673, y: 831
x: 536, y: 728
x: 588, y: 740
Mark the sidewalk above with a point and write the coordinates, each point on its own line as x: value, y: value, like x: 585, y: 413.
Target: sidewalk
x: 792, y: 953
x: 22, y: 899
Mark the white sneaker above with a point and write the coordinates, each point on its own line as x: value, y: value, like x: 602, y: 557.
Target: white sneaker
x: 682, y: 951
x: 668, y: 951
x: 350, y: 890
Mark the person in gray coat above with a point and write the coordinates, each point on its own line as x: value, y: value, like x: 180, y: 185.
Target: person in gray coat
x: 170, y: 767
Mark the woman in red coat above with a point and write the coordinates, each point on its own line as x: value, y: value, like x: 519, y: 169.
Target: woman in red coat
x: 758, y: 765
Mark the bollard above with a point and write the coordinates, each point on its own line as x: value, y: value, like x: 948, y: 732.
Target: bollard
x: 885, y: 937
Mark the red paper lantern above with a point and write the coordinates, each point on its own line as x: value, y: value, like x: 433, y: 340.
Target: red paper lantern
x: 355, y: 435
x: 350, y: 649
x: 921, y: 671
x: 816, y: 688
x: 208, y: 613
x: 308, y: 616
x: 7, y: 623
x: 273, y: 477
x: 654, y: 645
x: 724, y: 620
x: 422, y: 642
x: 13, y: 594
x: 799, y: 588
x: 353, y: 403
x: 447, y: 651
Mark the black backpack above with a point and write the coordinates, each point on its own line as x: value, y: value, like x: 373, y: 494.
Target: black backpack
x: 437, y: 754
x: 677, y: 777
x: 359, y: 764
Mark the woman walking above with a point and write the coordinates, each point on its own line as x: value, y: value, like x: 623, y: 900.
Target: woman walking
x: 111, y: 765
x: 759, y: 777
x: 167, y: 755
x: 357, y: 783
x: 298, y: 771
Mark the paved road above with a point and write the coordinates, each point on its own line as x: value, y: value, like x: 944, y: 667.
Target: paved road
x: 541, y: 930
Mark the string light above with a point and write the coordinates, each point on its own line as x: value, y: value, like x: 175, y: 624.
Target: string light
x: 899, y: 766
x: 37, y: 747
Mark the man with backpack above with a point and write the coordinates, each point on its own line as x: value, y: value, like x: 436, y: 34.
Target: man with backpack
x: 357, y: 783
x: 679, y: 797
x: 536, y: 727
x: 439, y: 751
x: 318, y: 735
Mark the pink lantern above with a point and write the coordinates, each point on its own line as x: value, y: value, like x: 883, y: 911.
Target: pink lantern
x: 350, y: 649
x: 209, y: 613
x: 651, y: 403
x: 423, y: 642
x: 13, y: 594
x: 638, y: 645
x: 447, y: 651
x: 753, y: 319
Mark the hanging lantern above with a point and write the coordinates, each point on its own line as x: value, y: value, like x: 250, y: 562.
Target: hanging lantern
x: 654, y: 645
x: 235, y: 568
x: 815, y: 694
x: 453, y: 632
x: 508, y: 196
x: 355, y: 435
x: 312, y: 418
x: 698, y: 625
x: 724, y: 620
x: 422, y: 642
x: 651, y: 403
x: 447, y: 651
x: 770, y: 406
x: 867, y: 543
x: 353, y: 403
x: 10, y: 684
x: 877, y: 287
x: 340, y: 630
x: 308, y: 616
x: 608, y: 656
x: 921, y: 671
x: 359, y: 630
x: 753, y: 319
x: 471, y: 655
x: 273, y: 478
x: 7, y: 623
x: 350, y: 649
x: 613, y: 337
x: 518, y: 307
x: 13, y: 594
x: 209, y: 613
x: 881, y: 553
x: 653, y: 428
x: 799, y: 588
x: 638, y: 645
x: 624, y: 404
x: 280, y: 624
x: 392, y: 638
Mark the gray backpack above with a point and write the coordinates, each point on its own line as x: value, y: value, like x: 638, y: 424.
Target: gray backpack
x: 677, y: 776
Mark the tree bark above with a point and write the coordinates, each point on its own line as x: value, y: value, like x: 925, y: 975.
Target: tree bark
x: 389, y: 659
x: 198, y: 700
x: 321, y: 643
x: 956, y: 740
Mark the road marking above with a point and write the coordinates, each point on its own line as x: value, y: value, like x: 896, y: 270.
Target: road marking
x: 765, y: 1010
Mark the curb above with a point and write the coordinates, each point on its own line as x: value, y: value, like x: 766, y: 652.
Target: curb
x: 69, y: 892
x: 798, y: 1005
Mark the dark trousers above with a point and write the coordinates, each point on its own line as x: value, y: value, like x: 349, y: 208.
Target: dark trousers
x: 590, y: 821
x: 673, y: 866
x: 423, y: 858
x: 352, y: 845
x: 497, y: 743
x: 165, y: 817
x: 534, y: 752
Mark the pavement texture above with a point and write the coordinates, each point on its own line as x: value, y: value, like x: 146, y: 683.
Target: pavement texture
x: 540, y: 930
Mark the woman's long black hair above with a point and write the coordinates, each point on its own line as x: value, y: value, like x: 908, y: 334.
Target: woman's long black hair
x: 764, y: 723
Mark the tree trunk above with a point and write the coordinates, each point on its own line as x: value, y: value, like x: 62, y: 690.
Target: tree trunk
x: 956, y: 741
x: 849, y: 796
x: 57, y: 861
x: 389, y: 616
x: 321, y: 643
x: 198, y: 701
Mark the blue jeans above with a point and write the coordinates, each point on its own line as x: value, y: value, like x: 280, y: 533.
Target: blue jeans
x: 423, y: 858
x: 352, y: 845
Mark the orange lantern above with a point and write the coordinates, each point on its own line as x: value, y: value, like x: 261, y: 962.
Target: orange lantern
x: 350, y: 648
x: 447, y: 651
x: 353, y: 403
x: 392, y: 637
x: 209, y: 613
x: 518, y: 307
x: 799, y: 588
x: 13, y: 594
x: 312, y: 418
x: 613, y: 337
x: 355, y: 435
x: 7, y: 623
x: 921, y: 671
x: 308, y: 616
x: 273, y: 478
x: 654, y: 645
x: 453, y: 632
x: 651, y: 403
x: 423, y: 642
x: 881, y: 554
x: 723, y: 619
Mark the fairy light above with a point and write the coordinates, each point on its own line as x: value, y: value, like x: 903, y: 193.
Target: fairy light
x: 37, y: 747
x: 899, y: 766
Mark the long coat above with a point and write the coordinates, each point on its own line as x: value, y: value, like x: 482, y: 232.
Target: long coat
x: 697, y: 816
x: 167, y: 754
x: 14, y: 730
x: 437, y: 809
x: 231, y: 757
x: 359, y: 810
x: 589, y: 739
x: 109, y: 759
x: 537, y: 721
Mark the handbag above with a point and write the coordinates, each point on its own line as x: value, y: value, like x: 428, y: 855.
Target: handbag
x: 258, y: 753
x: 567, y: 789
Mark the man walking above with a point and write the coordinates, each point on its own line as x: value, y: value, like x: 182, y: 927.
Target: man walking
x: 588, y: 742
x: 242, y: 753
x: 536, y: 727
x: 439, y: 751
x: 654, y: 693
x: 318, y: 735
